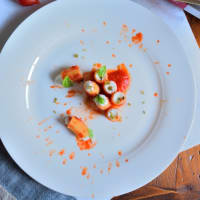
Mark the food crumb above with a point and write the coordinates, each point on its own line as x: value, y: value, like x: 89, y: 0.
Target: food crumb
x: 94, y: 166
x: 75, y: 55
x: 142, y: 92
x: 104, y: 23
x: 144, y: 112
x: 119, y: 41
x: 64, y: 161
x: 130, y: 65
x: 133, y: 31
x: 51, y: 152
x: 113, y: 55
x: 109, y: 166
x: 140, y: 46
x: 155, y: 94
x: 107, y: 42
x: 37, y: 136
x: 64, y: 104
x: 57, y: 131
x: 118, y: 134
x: 156, y: 62
x: 62, y: 152
x: 145, y: 49
x: 169, y: 65
x: 72, y: 156
x: 126, y: 160
x: 84, y: 49
x: 81, y: 42
x: 92, y: 196
x: 130, y: 45
x: 84, y: 171
x: 120, y: 153
x: 117, y: 163
x: 70, y: 93
x: 55, y: 100
x: 88, y: 176
x: 143, y: 102
x: 69, y: 111
x: 168, y: 73
x: 157, y: 41
x: 101, y: 171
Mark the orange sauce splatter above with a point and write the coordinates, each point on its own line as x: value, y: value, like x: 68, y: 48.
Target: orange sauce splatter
x: 137, y: 38
x: 57, y: 131
x: 130, y: 45
x: 107, y: 42
x: 64, y: 104
x: 71, y: 93
x: 124, y: 27
x: 101, y: 171
x: 83, y: 30
x: 92, y: 196
x: 37, y: 136
x: 130, y: 65
x: 133, y: 31
x: 43, y: 121
x: 64, y: 161
x: 109, y: 166
x: 56, y: 86
x: 117, y: 163
x: 72, y: 156
x: 89, y: 154
x: 113, y: 55
x: 47, y: 139
x: 50, y: 126
x: 168, y: 73
x: 104, y: 23
x: 52, y: 152
x: 145, y: 49
x: 88, y: 176
x: 85, y: 144
x: 120, y: 153
x: 49, y: 143
x: 119, y: 41
x: 140, y: 46
x: 126, y: 160
x: 81, y: 42
x: 156, y: 62
x: 118, y: 134
x: 62, y: 152
x: 94, y: 166
x: 169, y: 65
x: 84, y: 171
x: 69, y: 111
x: 155, y: 94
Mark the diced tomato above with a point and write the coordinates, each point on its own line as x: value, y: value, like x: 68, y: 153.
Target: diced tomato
x: 28, y: 2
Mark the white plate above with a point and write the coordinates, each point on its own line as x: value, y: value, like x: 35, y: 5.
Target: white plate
x: 151, y: 134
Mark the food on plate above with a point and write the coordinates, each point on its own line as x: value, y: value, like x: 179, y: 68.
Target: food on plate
x: 78, y: 127
x: 73, y: 73
x: 113, y: 115
x: 88, y: 76
x: 100, y: 75
x: 28, y: 2
x: 110, y: 87
x: 118, y: 98
x: 121, y: 77
x: 102, y: 102
x: 91, y: 88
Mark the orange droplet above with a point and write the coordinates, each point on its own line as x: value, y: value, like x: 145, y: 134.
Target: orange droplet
x: 168, y: 73
x: 37, y: 136
x: 71, y: 93
x: 169, y: 65
x: 47, y: 139
x: 84, y: 171
x: 155, y: 94
x: 104, y: 23
x: 81, y: 42
x: 145, y: 49
x: 89, y: 154
x: 157, y: 41
x: 94, y: 166
x: 64, y: 161
x: 109, y: 166
x: 56, y: 86
x: 69, y: 111
x: 107, y: 42
x: 140, y: 46
x: 130, y: 45
x: 64, y: 104
x: 119, y: 41
x: 72, y: 156
x: 43, y: 121
x: 120, y: 153
x: 50, y: 126
x: 57, y: 131
x: 101, y: 171
x: 126, y: 160
x: 130, y: 65
x: 51, y: 152
x: 133, y: 31
x: 88, y: 176
x: 82, y: 30
x: 137, y: 38
x: 92, y: 196
x: 118, y: 134
x: 117, y: 163
x: 156, y: 62
x: 62, y: 152
x: 113, y: 55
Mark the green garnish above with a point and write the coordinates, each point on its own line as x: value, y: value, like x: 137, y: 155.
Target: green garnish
x: 54, y: 111
x: 75, y: 55
x: 55, y: 100
x: 102, y: 72
x: 99, y: 99
x: 90, y: 131
x: 67, y: 82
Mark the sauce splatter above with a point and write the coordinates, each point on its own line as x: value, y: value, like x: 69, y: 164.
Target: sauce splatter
x: 62, y: 152
x: 117, y: 163
x: 126, y: 160
x: 43, y: 121
x: 81, y: 42
x: 157, y: 41
x: 104, y: 23
x: 56, y: 86
x: 37, y: 136
x: 168, y: 73
x: 64, y: 104
x: 72, y: 156
x: 130, y: 45
x: 109, y: 167
x: 130, y: 65
x: 51, y: 152
x: 49, y: 143
x: 107, y: 42
x: 71, y: 93
x: 85, y: 144
x: 101, y: 171
x: 155, y: 94
x: 137, y: 38
x: 88, y: 176
x: 124, y: 28
x: 133, y: 31
x: 84, y: 171
x: 57, y: 131
x: 64, y: 161
x: 140, y: 46
x: 113, y: 55
x: 169, y: 65
x: 69, y: 111
x: 94, y: 166
x: 92, y: 196
x: 89, y: 154
x: 82, y: 30
x: 120, y: 153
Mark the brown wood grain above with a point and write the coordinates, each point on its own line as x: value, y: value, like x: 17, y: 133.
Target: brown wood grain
x: 181, y: 181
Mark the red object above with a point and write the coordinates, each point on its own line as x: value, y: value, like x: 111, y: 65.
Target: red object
x: 179, y: 4
x: 28, y: 2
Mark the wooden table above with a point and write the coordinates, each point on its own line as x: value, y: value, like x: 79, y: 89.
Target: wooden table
x: 181, y: 181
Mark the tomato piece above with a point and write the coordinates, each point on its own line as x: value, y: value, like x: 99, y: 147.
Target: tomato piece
x: 28, y: 2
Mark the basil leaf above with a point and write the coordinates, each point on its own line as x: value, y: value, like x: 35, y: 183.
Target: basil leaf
x: 67, y: 82
x: 102, y: 72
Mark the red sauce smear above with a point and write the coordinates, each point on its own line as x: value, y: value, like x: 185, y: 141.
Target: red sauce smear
x: 69, y: 111
x: 85, y: 144
x: 120, y: 153
x: 155, y: 94
x: 71, y: 93
x: 109, y: 166
x: 84, y: 171
x: 72, y: 156
x: 121, y: 76
x: 62, y: 152
x: 56, y: 86
x: 136, y: 39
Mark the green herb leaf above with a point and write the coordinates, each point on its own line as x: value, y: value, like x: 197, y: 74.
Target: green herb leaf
x: 91, y: 135
x: 102, y: 72
x: 67, y: 82
x: 99, y: 99
x: 75, y: 55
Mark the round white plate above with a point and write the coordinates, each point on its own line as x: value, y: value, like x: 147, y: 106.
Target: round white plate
x: 153, y: 127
